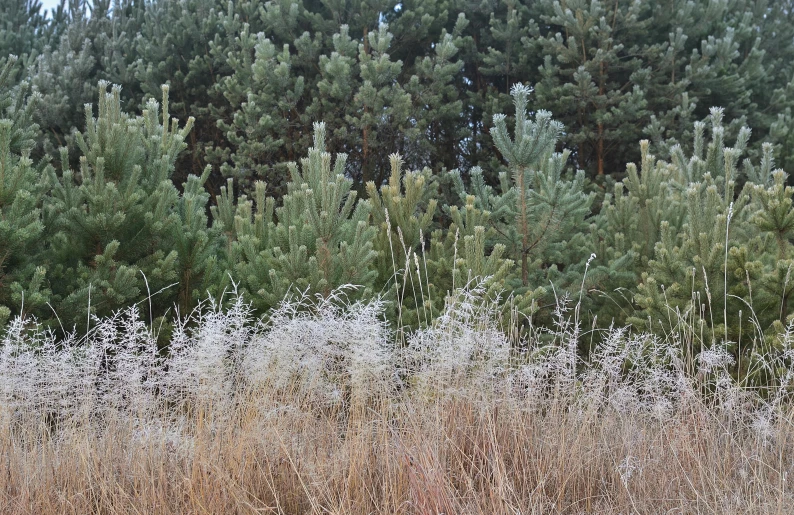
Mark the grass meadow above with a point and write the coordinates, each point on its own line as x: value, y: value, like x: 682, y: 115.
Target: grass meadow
x: 323, y: 410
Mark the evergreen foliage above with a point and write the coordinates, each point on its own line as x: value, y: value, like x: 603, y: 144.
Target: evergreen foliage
x: 21, y: 189
x: 688, y: 270
x: 402, y: 214
x: 419, y: 78
x: 86, y: 43
x: 318, y: 240
x: 443, y: 173
x: 549, y: 211
x: 112, y: 223
x: 23, y: 29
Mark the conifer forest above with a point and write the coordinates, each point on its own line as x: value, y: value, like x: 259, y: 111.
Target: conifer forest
x: 383, y: 256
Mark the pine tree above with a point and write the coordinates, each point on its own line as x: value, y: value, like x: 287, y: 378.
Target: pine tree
x: 184, y: 45
x: 437, y: 104
x: 536, y: 221
x: 469, y: 250
x: 626, y: 230
x: 504, y: 58
x: 402, y: 213
x: 591, y: 79
x: 549, y: 214
x: 319, y: 239
x: 194, y: 244
x: 111, y: 224
x: 774, y: 100
x: 321, y: 218
x: 739, y: 60
x: 336, y: 85
x: 244, y: 260
x: 265, y: 131
x: 21, y: 190
x: 65, y: 76
x: 380, y: 106
x: 687, y: 276
x: 769, y: 257
x: 403, y: 210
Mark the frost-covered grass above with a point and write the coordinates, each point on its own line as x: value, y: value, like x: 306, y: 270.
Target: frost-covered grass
x: 318, y: 410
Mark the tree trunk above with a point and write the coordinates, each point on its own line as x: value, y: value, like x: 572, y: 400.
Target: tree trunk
x: 600, y: 149
x: 366, y: 174
x: 524, y: 226
x: 600, y: 145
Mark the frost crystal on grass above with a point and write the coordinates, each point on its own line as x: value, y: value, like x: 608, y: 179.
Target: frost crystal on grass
x: 322, y: 346
x: 328, y: 351
x: 463, y: 348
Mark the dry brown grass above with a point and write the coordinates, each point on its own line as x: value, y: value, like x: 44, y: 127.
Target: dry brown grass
x: 397, y: 453
x: 319, y: 412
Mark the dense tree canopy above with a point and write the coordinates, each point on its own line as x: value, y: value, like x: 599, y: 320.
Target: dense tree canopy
x: 422, y: 78
x: 173, y: 150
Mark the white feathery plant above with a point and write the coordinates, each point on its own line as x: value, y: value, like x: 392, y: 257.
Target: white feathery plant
x: 333, y: 350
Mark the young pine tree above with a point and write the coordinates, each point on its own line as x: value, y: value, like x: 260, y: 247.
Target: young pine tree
x: 320, y: 219
x: 772, y: 216
x: 530, y: 234
x: 468, y: 252
x: 402, y: 214
x: 319, y: 239
x: 21, y: 190
x: 116, y: 225
x: 625, y: 232
x: 685, y: 282
x: 544, y: 230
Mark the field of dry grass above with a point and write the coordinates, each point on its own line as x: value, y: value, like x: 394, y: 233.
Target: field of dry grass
x: 318, y: 411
